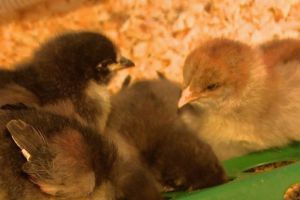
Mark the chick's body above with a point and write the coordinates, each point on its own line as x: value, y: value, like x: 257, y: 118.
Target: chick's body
x: 65, y: 160
x: 62, y: 166
x: 147, y: 128
x: 244, y: 99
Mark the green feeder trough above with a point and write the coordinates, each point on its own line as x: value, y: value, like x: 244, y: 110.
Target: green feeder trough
x: 245, y: 185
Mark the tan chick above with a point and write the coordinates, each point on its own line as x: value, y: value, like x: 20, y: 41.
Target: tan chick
x: 243, y: 99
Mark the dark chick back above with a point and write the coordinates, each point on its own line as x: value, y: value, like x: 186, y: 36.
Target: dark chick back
x: 145, y: 114
x: 66, y: 160
x: 58, y: 166
x: 14, y: 183
x: 5, y: 77
x: 138, y: 108
x: 13, y: 93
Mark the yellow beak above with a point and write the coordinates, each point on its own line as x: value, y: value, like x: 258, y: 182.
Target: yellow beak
x: 187, y: 96
x: 122, y: 63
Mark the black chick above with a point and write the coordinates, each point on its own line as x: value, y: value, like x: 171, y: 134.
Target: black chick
x: 146, y: 126
x: 66, y: 75
x: 65, y: 159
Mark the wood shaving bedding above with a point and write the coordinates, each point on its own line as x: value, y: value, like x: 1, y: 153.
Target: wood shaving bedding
x: 269, y: 167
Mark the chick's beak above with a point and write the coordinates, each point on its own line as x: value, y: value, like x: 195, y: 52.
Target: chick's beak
x: 122, y: 63
x: 125, y: 62
x: 187, y: 96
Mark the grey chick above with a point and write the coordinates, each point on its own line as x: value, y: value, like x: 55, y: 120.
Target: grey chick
x: 65, y: 160
x: 66, y: 75
x: 146, y: 126
x: 247, y: 98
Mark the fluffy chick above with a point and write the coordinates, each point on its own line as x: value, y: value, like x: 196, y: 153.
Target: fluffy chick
x: 278, y: 52
x: 66, y: 75
x: 245, y: 99
x: 65, y: 159
x: 145, y: 125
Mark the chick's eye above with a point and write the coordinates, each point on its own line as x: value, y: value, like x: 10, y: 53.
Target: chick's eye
x: 212, y: 86
x: 103, y: 65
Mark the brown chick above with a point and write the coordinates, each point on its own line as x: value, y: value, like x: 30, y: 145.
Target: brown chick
x: 65, y: 160
x: 281, y: 51
x: 147, y: 128
x: 244, y: 99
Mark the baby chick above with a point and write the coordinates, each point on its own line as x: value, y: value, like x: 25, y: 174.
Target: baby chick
x: 145, y: 125
x: 244, y: 99
x: 65, y: 159
x: 66, y: 75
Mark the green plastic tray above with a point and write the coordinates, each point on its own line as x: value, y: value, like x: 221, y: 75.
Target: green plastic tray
x: 269, y: 185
